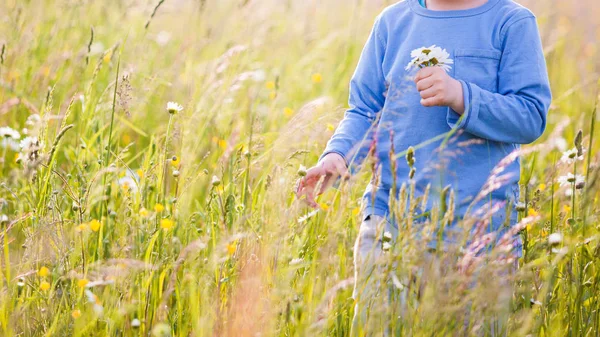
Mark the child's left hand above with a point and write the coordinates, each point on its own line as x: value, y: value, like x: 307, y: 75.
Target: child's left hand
x: 437, y: 88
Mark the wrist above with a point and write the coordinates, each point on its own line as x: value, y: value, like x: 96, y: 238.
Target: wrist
x: 457, y: 104
x: 334, y: 157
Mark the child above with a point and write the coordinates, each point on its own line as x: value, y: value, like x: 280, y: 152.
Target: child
x: 491, y: 95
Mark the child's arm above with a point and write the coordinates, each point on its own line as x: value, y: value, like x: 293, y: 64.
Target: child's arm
x: 367, y: 88
x: 517, y: 113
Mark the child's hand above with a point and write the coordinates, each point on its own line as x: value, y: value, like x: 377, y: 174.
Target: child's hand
x: 330, y: 168
x: 437, y: 88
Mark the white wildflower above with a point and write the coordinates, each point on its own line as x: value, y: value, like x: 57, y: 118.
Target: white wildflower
x: 129, y: 184
x: 430, y: 57
x: 162, y: 38
x: 555, y: 239
x: 3, y: 218
x: 97, y: 305
x: 570, y: 156
x: 386, y: 246
x: 296, y: 261
x: 174, y: 107
x: 307, y: 216
x: 387, y: 236
x: 570, y: 178
x: 302, y: 171
x: 8, y: 132
x: 135, y: 323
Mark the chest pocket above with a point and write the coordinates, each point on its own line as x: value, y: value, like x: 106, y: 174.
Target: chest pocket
x: 478, y: 66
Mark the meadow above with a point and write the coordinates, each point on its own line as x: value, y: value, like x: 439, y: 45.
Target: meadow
x: 122, y: 214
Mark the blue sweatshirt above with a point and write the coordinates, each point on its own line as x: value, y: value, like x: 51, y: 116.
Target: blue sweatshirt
x: 499, y: 62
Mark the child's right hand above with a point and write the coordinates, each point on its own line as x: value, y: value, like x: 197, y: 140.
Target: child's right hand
x: 330, y: 167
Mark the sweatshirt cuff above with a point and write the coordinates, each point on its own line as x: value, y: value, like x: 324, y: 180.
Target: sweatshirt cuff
x: 454, y: 119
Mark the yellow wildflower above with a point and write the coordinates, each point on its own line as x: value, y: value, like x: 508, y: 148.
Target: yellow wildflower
x: 355, y: 211
x: 231, y: 248
x: 222, y: 144
x: 140, y: 173
x: 324, y: 206
x: 107, y: 56
x: 566, y: 208
x: 45, y: 71
x: 175, y: 161
x: 43, y: 272
x: 532, y: 212
x: 81, y: 227
x: 330, y: 127
x: 288, y: 111
x: 143, y: 212
x: 270, y: 85
x: 542, y: 187
x: 317, y: 78
x: 272, y: 95
x: 95, y: 225
x: 76, y: 313
x: 82, y: 283
x: 44, y: 286
x: 166, y: 224
x: 159, y: 208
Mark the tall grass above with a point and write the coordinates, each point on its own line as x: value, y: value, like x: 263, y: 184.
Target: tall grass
x: 124, y: 219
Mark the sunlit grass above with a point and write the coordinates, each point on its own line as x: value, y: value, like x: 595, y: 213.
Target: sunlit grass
x: 127, y: 218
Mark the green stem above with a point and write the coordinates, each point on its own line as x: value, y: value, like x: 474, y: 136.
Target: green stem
x: 163, y: 179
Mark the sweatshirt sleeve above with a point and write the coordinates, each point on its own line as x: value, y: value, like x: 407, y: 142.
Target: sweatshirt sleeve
x: 351, y: 139
x: 517, y: 113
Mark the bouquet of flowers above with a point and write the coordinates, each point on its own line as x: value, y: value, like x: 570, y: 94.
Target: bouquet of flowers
x: 430, y: 57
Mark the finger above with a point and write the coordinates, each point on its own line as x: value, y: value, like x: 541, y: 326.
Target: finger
x: 299, y: 186
x: 310, y: 199
x: 342, y: 170
x: 424, y: 73
x: 313, y: 174
x: 432, y: 101
x: 425, y: 83
x: 431, y: 92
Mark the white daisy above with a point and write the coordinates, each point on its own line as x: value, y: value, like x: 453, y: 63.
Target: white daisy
x: 174, y: 107
x: 8, y: 132
x: 571, y: 179
x: 386, y: 246
x: 555, y: 238
x: 307, y: 216
x: 570, y: 156
x: 30, y: 144
x: 432, y: 56
x: 129, y: 184
x: 387, y: 236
